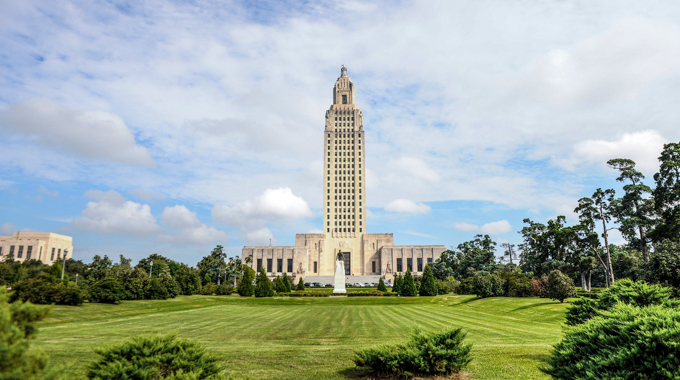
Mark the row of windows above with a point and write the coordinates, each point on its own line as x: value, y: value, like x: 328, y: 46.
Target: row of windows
x: 344, y: 118
x: 338, y: 191
x: 279, y: 265
x: 345, y: 147
x: 342, y: 184
x: 343, y: 230
x: 343, y: 165
x: 344, y: 223
x: 29, y: 252
x: 343, y: 141
x: 343, y: 159
x: 409, y: 264
x: 345, y: 132
x: 343, y: 197
x: 343, y: 153
x: 342, y: 203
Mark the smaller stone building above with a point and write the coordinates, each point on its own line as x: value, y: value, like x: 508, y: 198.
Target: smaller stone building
x: 46, y: 247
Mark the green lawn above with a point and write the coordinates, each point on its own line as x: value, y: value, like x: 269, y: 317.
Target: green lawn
x: 313, y: 338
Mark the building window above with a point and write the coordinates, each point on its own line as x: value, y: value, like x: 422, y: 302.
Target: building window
x: 259, y: 264
x: 59, y: 254
x: 290, y: 266
x: 344, y: 99
x: 315, y: 267
x: 21, y: 252
x: 269, y: 265
x: 409, y: 264
x: 420, y: 264
x: 29, y: 251
x: 429, y: 260
x: 373, y: 266
x: 399, y: 265
x: 279, y: 265
x: 52, y: 257
x: 0, y: 251
x: 11, y: 250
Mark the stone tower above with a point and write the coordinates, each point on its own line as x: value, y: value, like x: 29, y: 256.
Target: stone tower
x: 344, y: 174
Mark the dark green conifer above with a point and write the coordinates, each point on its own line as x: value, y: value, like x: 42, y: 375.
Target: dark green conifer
x: 245, y: 288
x: 381, y: 285
x: 428, y: 287
x: 287, y: 282
x: 408, y: 287
x: 396, y: 287
x: 263, y: 286
x: 300, y: 285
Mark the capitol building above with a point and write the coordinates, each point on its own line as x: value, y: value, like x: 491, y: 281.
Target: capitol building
x: 367, y: 256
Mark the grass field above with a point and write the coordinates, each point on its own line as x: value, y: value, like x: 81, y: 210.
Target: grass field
x: 313, y: 338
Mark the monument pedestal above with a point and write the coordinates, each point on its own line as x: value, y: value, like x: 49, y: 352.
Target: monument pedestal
x: 339, y: 285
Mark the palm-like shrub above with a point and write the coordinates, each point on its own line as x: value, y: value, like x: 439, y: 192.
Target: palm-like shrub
x: 626, y: 342
x: 154, y: 357
x: 438, y: 353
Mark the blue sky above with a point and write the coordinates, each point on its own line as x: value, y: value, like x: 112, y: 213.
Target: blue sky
x: 170, y: 127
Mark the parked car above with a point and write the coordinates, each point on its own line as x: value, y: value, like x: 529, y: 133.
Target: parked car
x: 308, y: 284
x: 358, y: 284
x: 329, y: 286
x: 317, y: 284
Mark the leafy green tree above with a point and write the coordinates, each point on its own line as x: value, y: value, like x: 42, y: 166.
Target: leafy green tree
x: 667, y: 195
x: 408, y: 288
x: 280, y: 284
x: 188, y: 280
x: 427, y: 285
x: 300, y: 285
x: 381, y: 285
x: 263, y: 286
x: 664, y: 265
x: 155, y: 357
x: 628, y: 342
x: 213, y: 265
x: 107, y: 290
x: 100, y: 268
x: 546, y: 246
x: 559, y: 286
x: 446, y: 265
x: 245, y: 288
x: 17, y: 329
x: 634, y: 211
x: 477, y: 255
x: 487, y: 285
x: 599, y: 207
x: 287, y: 283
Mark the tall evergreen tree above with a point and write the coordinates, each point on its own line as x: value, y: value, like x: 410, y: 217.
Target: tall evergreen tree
x: 287, y: 282
x: 381, y: 285
x: 667, y: 195
x: 263, y: 287
x: 280, y: 284
x: 396, y: 287
x: 300, y: 285
x: 408, y: 288
x: 427, y: 284
x: 245, y: 288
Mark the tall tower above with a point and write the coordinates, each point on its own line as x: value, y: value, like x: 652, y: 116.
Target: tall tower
x: 345, y: 170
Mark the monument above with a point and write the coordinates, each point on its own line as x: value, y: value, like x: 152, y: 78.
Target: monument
x: 339, y: 285
x: 365, y: 256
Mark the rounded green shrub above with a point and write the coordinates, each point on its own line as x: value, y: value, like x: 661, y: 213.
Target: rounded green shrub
x: 381, y: 285
x: 627, y: 342
x: 487, y: 285
x: 559, y: 286
x: 107, y: 290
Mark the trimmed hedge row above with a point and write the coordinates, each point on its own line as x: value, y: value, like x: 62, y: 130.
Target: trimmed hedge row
x: 303, y: 294
x: 372, y: 293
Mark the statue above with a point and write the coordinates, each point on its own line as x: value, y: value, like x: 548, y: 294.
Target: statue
x: 299, y: 270
x: 388, y: 269
x: 339, y: 286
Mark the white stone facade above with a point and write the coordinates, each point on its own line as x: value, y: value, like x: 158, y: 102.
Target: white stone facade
x: 46, y: 247
x: 344, y: 211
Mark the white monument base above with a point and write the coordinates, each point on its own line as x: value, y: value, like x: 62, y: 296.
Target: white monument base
x: 339, y: 286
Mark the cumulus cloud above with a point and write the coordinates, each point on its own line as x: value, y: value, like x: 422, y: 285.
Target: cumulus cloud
x: 274, y: 205
x: 111, y: 214
x: 7, y: 229
x: 495, y: 228
x: 643, y: 147
x: 91, y: 134
x: 190, y: 229
x: 465, y: 227
x: 261, y: 236
x: 407, y: 206
x: 146, y: 195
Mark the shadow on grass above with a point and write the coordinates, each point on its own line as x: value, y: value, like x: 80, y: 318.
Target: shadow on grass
x: 536, y: 305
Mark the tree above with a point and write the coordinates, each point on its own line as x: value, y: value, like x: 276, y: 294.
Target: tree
x: 427, y: 285
x: 155, y: 357
x: 288, y: 284
x: 546, y: 246
x: 381, y: 285
x: 634, y: 210
x: 263, y: 287
x: 559, y: 286
x: 446, y: 265
x: 100, y: 268
x: 664, y: 265
x: 408, y: 287
x: 599, y: 207
x: 396, y: 287
x: 188, y: 280
x: 509, y: 252
x: 17, y: 329
x: 667, y: 195
x: 280, y: 285
x: 477, y: 255
x: 487, y: 285
x: 213, y: 265
x: 245, y: 288
x: 300, y: 285
x: 107, y: 290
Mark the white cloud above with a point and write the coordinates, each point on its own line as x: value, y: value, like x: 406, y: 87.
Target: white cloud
x: 91, y: 134
x: 262, y: 236
x: 7, y: 229
x: 146, y: 195
x: 466, y: 227
x: 274, y: 205
x: 495, y: 228
x: 643, y: 147
x: 191, y: 230
x: 407, y: 206
x: 111, y: 214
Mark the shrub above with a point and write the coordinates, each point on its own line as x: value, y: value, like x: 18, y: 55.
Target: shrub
x: 369, y: 293
x: 442, y: 287
x: 516, y: 284
x: 381, y: 285
x: 224, y: 290
x: 245, y: 288
x: 287, y: 282
x: 427, y: 284
x: 559, y: 286
x: 107, y: 290
x: 208, y: 289
x: 487, y: 285
x: 581, y: 310
x: 452, y: 283
x: 300, y: 286
x: 466, y: 286
x: 408, y: 286
x: 398, y: 280
x: 438, y: 353
x: 627, y: 342
x: 279, y: 285
x: 155, y: 290
x: 263, y: 287
x: 154, y: 357
x: 302, y: 293
x: 538, y: 288
x: 71, y: 295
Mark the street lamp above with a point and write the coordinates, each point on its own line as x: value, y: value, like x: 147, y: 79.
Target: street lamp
x: 76, y: 278
x: 150, y: 269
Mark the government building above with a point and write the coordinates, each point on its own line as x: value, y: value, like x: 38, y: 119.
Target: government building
x: 46, y: 247
x: 369, y: 255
